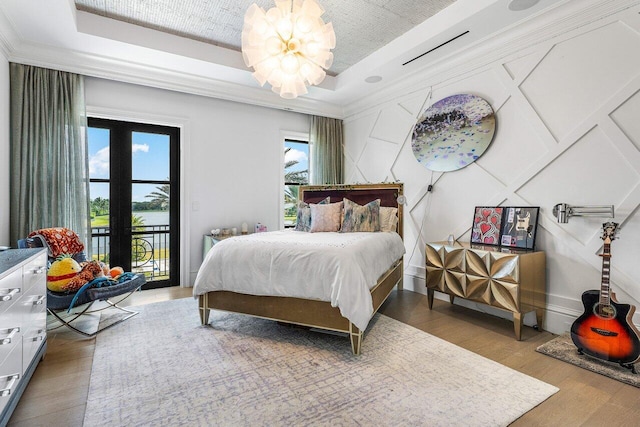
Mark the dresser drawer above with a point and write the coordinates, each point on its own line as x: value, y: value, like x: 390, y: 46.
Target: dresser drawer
x: 10, y: 376
x: 10, y: 290
x: 35, y: 271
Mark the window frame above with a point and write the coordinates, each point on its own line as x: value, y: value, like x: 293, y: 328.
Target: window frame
x: 299, y: 137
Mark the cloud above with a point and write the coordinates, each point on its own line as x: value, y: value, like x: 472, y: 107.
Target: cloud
x: 140, y: 147
x: 99, y: 163
x: 295, y: 155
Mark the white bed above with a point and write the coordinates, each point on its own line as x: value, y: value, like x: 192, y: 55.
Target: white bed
x: 340, y: 268
x: 328, y: 280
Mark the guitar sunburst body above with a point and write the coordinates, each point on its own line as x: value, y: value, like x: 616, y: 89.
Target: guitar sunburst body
x: 605, y: 337
x: 606, y: 330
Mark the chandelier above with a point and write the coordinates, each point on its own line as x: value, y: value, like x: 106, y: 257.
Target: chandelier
x: 288, y: 46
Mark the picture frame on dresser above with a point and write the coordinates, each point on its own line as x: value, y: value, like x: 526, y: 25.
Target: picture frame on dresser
x: 487, y: 225
x: 519, y: 227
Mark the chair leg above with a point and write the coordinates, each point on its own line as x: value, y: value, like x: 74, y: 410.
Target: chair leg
x: 111, y: 304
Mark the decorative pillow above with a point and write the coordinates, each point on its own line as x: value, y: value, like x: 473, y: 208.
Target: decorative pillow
x: 388, y: 218
x: 361, y: 218
x: 303, y: 218
x: 325, y: 217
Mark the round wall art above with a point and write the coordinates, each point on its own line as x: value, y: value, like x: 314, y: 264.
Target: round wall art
x: 453, y: 133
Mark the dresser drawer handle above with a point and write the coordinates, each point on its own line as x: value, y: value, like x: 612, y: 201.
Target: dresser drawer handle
x: 39, y: 270
x: 37, y: 338
x: 40, y: 300
x: 7, y: 339
x: 12, y: 380
x: 9, y: 296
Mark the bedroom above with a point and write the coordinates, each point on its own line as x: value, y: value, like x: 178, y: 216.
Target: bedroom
x: 567, y: 95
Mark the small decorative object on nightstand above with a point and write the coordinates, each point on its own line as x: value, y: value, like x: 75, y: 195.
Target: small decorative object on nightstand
x: 507, y: 279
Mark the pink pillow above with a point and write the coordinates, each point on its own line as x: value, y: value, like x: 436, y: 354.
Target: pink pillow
x: 326, y: 217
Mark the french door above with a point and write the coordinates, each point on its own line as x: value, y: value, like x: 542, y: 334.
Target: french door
x: 134, y: 192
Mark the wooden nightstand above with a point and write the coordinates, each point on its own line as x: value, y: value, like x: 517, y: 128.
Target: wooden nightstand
x: 510, y: 280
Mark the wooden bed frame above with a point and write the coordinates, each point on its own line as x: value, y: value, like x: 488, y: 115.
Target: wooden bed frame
x: 313, y: 313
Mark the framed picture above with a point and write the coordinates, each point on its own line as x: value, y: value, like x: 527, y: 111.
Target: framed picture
x: 487, y: 222
x: 519, y: 227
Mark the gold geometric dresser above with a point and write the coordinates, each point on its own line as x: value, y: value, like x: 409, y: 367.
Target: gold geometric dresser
x: 512, y: 281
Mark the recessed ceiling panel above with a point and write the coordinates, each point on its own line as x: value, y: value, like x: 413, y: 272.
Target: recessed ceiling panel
x: 361, y: 26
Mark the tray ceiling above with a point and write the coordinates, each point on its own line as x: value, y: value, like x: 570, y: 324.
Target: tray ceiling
x: 361, y: 26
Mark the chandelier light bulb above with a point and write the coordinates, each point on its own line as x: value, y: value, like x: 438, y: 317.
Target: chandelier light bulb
x: 288, y: 46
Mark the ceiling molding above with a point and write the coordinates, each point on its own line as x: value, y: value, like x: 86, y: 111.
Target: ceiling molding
x: 516, y: 40
x: 147, y: 75
x: 8, y: 36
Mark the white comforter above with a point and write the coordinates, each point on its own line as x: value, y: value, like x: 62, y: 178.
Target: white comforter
x: 336, y: 267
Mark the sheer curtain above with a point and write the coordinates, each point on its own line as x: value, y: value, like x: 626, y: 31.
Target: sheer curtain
x: 327, y: 151
x: 49, y: 164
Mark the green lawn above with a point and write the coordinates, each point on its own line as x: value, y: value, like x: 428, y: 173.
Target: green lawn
x: 100, y: 221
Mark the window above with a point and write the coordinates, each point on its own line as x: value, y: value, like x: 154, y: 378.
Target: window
x: 296, y: 173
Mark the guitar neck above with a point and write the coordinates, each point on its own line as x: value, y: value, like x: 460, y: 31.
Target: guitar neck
x: 605, y: 290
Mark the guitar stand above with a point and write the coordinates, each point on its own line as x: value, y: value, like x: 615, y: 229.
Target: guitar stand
x: 630, y: 366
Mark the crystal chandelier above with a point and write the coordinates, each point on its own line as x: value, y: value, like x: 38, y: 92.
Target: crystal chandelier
x: 288, y: 46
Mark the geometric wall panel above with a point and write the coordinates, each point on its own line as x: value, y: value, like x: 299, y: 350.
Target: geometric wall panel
x: 376, y: 159
x: 515, y: 140
x: 393, y: 125
x: 564, y: 100
x: 591, y: 172
x: 626, y: 117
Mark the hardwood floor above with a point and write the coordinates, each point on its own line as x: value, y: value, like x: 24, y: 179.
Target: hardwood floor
x: 57, y: 393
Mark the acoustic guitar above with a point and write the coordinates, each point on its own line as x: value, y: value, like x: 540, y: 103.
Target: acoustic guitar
x: 605, y: 330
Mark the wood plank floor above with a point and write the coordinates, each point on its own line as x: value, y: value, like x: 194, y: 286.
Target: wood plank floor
x: 57, y: 393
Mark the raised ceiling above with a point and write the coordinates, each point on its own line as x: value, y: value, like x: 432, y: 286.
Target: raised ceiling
x: 193, y: 45
x: 361, y: 26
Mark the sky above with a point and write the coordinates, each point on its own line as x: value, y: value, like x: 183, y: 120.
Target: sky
x: 150, y: 160
x: 300, y: 152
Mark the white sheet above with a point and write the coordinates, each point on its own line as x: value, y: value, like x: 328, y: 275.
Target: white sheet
x: 336, y: 267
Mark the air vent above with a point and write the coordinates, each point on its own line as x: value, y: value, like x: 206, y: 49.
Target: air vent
x: 437, y: 47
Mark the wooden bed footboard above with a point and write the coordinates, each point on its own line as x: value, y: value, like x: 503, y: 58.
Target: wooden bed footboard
x: 311, y: 313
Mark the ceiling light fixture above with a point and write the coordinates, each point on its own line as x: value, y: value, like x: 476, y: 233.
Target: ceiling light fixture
x: 288, y: 46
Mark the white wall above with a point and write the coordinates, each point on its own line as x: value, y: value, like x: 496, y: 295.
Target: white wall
x: 567, y: 131
x: 4, y: 151
x: 232, y: 156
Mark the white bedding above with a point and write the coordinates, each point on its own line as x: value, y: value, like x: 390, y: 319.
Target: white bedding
x: 336, y: 267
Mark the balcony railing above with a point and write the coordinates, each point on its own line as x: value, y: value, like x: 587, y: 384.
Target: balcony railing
x: 149, y: 249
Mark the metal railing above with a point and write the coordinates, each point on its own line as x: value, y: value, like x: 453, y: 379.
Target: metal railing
x: 149, y: 249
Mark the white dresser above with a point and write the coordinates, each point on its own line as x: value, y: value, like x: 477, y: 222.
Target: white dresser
x: 23, y: 322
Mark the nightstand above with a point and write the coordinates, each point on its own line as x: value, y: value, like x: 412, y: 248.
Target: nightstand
x: 210, y: 240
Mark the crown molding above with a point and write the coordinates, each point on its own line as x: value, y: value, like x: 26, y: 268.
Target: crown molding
x: 518, y: 40
x: 8, y: 36
x: 93, y: 65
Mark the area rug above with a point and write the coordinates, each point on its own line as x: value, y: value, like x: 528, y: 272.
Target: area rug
x: 163, y: 368
x: 562, y: 348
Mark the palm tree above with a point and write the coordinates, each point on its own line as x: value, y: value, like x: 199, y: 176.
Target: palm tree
x: 293, y: 179
x: 160, y: 197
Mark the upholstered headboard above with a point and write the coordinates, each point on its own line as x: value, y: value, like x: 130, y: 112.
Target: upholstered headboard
x: 360, y: 193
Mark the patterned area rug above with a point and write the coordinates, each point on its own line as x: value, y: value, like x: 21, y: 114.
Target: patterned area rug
x: 563, y: 348
x: 163, y: 368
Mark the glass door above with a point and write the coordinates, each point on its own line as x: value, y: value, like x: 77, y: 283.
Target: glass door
x: 134, y: 191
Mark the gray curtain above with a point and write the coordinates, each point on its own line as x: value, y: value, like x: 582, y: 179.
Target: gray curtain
x: 49, y: 164
x: 327, y: 151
